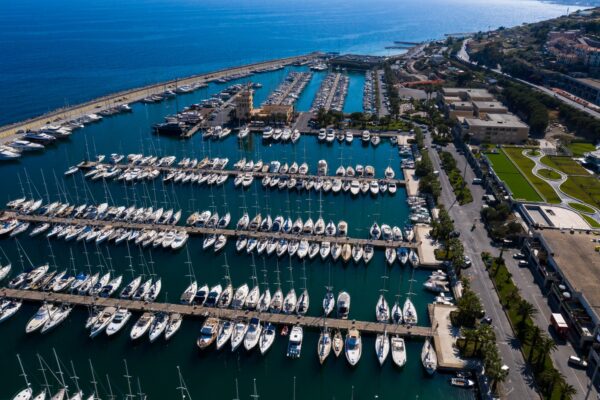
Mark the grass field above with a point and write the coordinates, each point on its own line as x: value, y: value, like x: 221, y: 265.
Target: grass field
x: 549, y: 174
x: 593, y: 223
x: 582, y: 208
x: 516, y: 182
x: 579, y: 148
x: 584, y: 188
x: 526, y: 165
x: 564, y: 164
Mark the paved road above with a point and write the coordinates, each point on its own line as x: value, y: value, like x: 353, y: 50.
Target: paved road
x: 463, y: 56
x: 478, y: 241
x: 517, y: 385
x: 382, y: 107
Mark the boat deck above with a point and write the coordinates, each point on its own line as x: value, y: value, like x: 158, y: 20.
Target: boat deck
x: 233, y: 172
x: 208, y: 231
x: 310, y: 322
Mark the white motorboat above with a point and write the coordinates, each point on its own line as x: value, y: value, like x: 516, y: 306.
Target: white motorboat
x: 353, y: 346
x: 343, y: 305
x: 208, y: 333
x: 60, y: 314
x: 158, y: 326
x: 102, y: 321
x: 40, y: 317
x: 295, y: 342
x: 142, y: 325
x: 120, y: 319
x: 398, y: 351
x: 8, y: 308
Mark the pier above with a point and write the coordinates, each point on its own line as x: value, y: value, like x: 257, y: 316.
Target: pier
x: 310, y: 322
x: 208, y: 231
x: 235, y: 172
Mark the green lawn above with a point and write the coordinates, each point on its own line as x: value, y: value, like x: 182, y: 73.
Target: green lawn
x: 593, y: 223
x: 526, y: 165
x: 579, y: 148
x: 582, y: 208
x: 564, y: 164
x: 549, y: 174
x: 516, y: 182
x: 584, y: 188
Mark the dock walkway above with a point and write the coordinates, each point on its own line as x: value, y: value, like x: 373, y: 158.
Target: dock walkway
x: 310, y: 322
x: 235, y: 172
x: 209, y: 231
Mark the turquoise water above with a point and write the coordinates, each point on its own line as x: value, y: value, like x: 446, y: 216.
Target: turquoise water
x: 212, y: 374
x: 67, y: 51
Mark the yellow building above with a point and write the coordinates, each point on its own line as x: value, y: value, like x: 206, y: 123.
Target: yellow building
x: 244, y: 104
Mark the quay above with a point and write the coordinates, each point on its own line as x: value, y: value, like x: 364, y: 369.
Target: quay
x: 137, y: 94
x: 310, y: 322
x: 208, y: 231
x: 233, y: 172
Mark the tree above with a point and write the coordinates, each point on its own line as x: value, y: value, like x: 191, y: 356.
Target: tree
x: 548, y: 378
x: 547, y: 346
x: 535, y: 335
x: 469, y: 308
x: 443, y: 226
x: 527, y: 311
x: 567, y: 392
x: 484, y: 334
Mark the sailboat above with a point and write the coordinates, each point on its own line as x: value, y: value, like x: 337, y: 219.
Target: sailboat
x: 239, y: 332
x: 290, y: 300
x: 267, y: 337
x: 337, y: 343
x: 253, y: 297
x: 253, y: 334
x: 264, y: 301
x: 429, y: 357
x: 328, y: 299
x: 324, y: 345
x: 226, y: 296
x: 382, y: 347
x: 173, y: 325
x: 409, y: 312
x: 303, y: 300
x: 26, y: 393
x: 382, y: 309
x: 224, y: 333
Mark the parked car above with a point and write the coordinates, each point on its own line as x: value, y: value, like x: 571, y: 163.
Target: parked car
x: 467, y: 262
x: 523, y: 263
x: 578, y: 362
x: 486, y: 320
x: 454, y: 234
x: 518, y: 256
x: 477, y: 181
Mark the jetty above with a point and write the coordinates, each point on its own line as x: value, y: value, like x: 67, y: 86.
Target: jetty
x: 137, y: 94
x: 310, y: 322
x: 207, y: 231
x: 235, y: 172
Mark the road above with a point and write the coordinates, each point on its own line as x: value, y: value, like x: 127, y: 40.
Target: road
x: 477, y: 241
x: 463, y: 56
x: 517, y: 386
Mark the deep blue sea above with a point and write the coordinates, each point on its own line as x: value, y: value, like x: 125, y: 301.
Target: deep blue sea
x: 60, y: 52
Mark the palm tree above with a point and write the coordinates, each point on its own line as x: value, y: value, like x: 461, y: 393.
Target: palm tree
x: 547, y: 379
x: 567, y: 392
x: 469, y: 335
x: 484, y: 334
x: 547, y: 346
x: 526, y: 310
x: 535, y: 335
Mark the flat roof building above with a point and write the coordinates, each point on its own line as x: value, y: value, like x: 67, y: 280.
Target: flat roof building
x: 468, y: 94
x: 567, y: 265
x: 482, y: 108
x: 496, y: 128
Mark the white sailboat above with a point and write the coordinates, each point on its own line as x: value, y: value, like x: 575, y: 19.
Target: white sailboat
x: 324, y: 345
x: 429, y: 357
x: 382, y: 347
x: 398, y: 351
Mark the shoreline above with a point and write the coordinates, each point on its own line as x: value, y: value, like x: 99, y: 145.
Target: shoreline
x: 134, y: 95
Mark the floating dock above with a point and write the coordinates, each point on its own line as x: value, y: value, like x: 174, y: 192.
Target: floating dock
x: 209, y: 231
x: 235, y: 172
x: 310, y: 322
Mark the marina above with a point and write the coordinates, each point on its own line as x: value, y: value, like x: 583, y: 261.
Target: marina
x: 189, y: 179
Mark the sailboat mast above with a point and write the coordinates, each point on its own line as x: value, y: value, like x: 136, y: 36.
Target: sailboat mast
x: 23, y: 374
